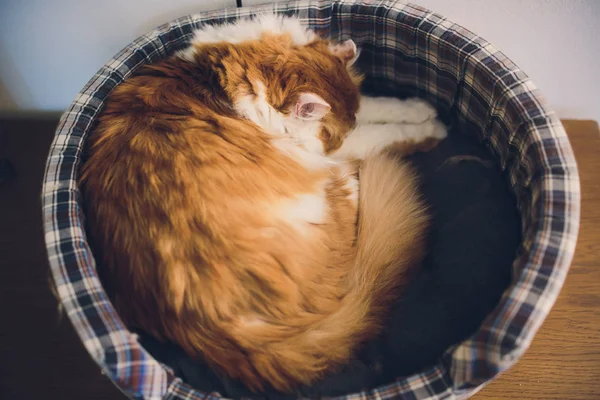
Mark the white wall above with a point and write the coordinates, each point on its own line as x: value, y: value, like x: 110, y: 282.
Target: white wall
x: 556, y: 42
x: 49, y: 49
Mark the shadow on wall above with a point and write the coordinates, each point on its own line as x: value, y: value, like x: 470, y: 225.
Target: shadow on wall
x: 6, y: 100
x: 10, y: 109
x: 13, y: 89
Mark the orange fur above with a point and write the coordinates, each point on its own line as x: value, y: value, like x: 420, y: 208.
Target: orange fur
x: 183, y: 201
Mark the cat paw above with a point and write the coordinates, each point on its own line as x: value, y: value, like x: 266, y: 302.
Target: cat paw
x: 421, y: 138
x: 438, y: 132
x: 391, y: 110
x: 417, y: 111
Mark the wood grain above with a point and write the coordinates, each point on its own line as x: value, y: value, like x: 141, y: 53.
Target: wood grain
x: 564, y: 359
x: 41, y: 356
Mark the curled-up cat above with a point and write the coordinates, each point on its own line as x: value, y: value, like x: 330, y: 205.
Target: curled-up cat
x: 223, y: 206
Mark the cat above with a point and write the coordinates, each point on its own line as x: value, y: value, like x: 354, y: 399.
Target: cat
x: 221, y: 188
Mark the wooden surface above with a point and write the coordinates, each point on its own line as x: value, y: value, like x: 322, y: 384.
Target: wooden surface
x: 42, y: 357
x: 563, y: 361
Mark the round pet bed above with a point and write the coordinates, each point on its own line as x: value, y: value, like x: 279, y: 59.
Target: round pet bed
x: 476, y: 89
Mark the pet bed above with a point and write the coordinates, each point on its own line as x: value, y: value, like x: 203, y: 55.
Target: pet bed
x: 499, y: 121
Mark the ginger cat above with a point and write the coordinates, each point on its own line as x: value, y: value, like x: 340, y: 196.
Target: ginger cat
x: 223, y: 206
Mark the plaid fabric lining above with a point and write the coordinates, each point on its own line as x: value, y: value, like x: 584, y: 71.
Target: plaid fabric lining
x: 420, y: 53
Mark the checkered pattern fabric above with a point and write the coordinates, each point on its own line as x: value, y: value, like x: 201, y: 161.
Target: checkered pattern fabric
x: 475, y: 87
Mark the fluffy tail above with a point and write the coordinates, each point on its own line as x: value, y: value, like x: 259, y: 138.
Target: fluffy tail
x: 391, y: 231
x: 392, y: 224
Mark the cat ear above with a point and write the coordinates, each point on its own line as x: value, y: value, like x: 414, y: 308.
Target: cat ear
x: 310, y: 107
x: 347, y: 51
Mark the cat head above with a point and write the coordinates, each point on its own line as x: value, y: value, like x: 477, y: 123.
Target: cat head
x: 285, y: 78
x: 320, y: 94
x: 308, y: 92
